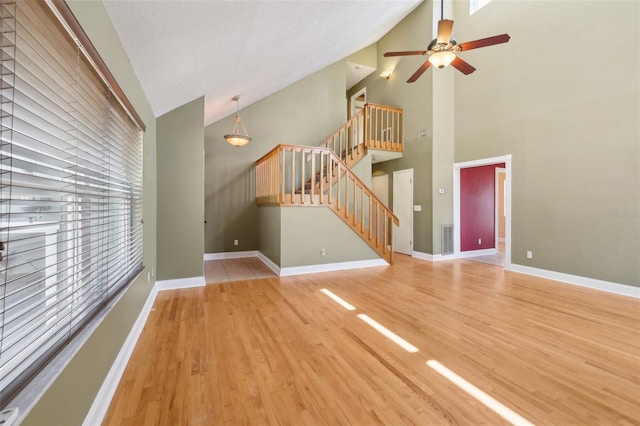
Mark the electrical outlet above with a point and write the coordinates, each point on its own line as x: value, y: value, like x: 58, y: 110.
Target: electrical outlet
x: 235, y: 242
x: 529, y: 254
x: 323, y: 252
x: 479, y: 241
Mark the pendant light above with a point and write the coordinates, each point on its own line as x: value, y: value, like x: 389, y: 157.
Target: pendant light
x: 236, y: 138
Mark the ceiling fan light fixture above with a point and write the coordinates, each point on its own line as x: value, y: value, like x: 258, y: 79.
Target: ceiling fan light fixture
x: 442, y: 59
x: 239, y: 135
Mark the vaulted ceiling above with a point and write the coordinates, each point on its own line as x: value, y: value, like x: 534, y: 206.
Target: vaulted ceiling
x: 183, y: 49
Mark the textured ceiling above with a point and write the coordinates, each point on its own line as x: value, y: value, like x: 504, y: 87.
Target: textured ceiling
x: 181, y: 50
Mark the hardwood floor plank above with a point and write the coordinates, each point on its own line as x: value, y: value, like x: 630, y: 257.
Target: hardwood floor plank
x: 279, y: 351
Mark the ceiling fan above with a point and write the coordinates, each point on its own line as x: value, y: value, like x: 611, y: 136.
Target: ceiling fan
x: 442, y: 49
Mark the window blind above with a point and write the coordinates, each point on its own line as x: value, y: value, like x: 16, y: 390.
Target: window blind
x: 71, y: 188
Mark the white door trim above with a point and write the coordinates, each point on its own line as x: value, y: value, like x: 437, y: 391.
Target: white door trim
x: 498, y: 171
x: 506, y: 159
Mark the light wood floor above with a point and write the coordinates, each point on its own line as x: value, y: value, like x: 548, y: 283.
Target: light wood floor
x: 279, y: 351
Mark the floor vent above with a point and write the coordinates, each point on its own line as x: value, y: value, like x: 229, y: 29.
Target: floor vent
x: 447, y: 239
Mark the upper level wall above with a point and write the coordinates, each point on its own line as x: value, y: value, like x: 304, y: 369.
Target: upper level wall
x: 414, y: 32
x: 565, y: 104
x: 304, y: 113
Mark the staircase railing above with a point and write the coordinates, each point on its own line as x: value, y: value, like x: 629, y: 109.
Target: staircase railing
x: 375, y: 126
x: 282, y: 173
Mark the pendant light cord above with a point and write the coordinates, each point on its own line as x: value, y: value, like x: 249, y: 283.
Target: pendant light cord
x: 442, y: 10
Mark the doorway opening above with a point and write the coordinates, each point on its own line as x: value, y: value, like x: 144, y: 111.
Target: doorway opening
x: 403, y: 209
x: 358, y: 101
x: 500, y: 253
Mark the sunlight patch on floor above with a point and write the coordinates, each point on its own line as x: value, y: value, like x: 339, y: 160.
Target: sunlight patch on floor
x: 488, y: 401
x: 389, y: 334
x: 339, y: 300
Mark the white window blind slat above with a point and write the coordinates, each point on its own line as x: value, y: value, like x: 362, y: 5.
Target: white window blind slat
x: 71, y: 187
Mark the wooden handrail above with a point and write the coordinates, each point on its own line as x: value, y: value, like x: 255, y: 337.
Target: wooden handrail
x: 383, y: 127
x: 294, y: 175
x: 375, y: 126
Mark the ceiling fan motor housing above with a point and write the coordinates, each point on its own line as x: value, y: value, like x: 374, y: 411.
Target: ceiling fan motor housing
x: 435, y: 47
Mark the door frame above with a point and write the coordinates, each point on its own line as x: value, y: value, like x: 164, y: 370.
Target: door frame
x: 506, y: 159
x: 410, y: 213
x: 498, y: 171
x: 355, y: 96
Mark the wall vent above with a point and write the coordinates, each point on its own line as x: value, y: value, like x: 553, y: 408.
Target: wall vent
x: 447, y: 239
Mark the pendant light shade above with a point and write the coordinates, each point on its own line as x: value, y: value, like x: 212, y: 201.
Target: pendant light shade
x: 238, y: 136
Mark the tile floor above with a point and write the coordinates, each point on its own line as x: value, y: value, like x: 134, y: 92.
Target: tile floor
x: 225, y: 270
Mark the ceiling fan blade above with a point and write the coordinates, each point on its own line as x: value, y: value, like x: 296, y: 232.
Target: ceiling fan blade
x: 484, y: 42
x: 445, y: 27
x: 406, y: 53
x: 416, y: 75
x: 462, y: 66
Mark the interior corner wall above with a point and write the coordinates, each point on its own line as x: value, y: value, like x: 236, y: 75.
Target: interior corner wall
x: 180, y: 192
x: 269, y: 225
x: 570, y: 122
x: 69, y: 398
x: 304, y: 113
x: 415, y: 100
x: 442, y: 151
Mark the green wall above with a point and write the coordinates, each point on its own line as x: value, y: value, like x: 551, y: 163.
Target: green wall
x: 564, y: 102
x: 416, y: 100
x: 301, y: 243
x: 304, y: 113
x: 269, y: 225
x: 294, y: 236
x: 69, y: 398
x: 568, y: 115
x: 180, y: 192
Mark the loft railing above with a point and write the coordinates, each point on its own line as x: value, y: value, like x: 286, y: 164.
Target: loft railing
x: 375, y: 126
x: 291, y: 175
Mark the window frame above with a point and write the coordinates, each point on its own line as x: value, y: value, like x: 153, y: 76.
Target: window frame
x: 27, y: 396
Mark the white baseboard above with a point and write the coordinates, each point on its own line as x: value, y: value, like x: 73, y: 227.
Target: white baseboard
x: 101, y: 403
x: 232, y: 255
x: 424, y: 256
x: 270, y: 263
x: 608, y: 286
x: 180, y: 283
x: 296, y: 270
x: 244, y: 254
x: 461, y: 255
x: 328, y: 267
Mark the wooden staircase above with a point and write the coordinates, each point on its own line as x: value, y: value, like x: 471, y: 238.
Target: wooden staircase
x: 292, y: 175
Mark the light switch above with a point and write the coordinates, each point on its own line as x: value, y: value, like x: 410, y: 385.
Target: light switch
x: 417, y: 208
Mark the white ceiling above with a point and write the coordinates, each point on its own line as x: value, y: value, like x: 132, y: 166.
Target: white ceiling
x: 183, y: 49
